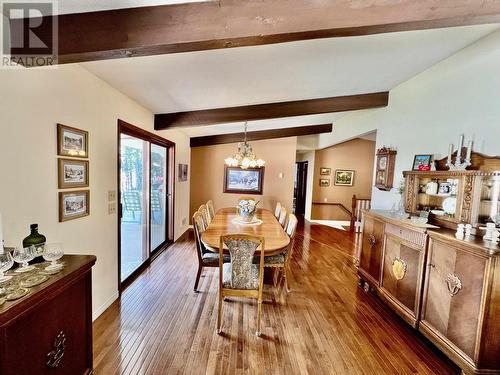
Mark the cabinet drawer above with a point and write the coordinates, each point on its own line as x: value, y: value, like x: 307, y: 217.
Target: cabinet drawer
x: 417, y: 238
x: 60, y: 326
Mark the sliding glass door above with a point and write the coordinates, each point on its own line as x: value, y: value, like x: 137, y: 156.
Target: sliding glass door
x: 146, y: 187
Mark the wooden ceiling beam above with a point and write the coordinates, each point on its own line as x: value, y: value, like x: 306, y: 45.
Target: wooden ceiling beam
x: 271, y: 110
x: 261, y: 134
x: 220, y: 24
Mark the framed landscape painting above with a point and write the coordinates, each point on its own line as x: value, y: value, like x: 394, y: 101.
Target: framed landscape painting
x: 324, y: 171
x: 73, y: 173
x: 74, y: 204
x: 247, y: 181
x: 344, y: 177
x: 72, y: 142
x: 324, y: 182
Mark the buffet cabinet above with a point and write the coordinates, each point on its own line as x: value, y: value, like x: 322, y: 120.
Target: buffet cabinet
x: 446, y: 288
x: 49, y: 331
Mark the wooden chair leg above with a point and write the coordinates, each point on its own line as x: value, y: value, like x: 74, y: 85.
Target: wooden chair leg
x: 259, y: 314
x: 288, y: 290
x: 219, y: 314
x: 200, y: 268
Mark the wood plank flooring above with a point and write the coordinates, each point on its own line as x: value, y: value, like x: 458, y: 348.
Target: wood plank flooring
x: 327, y: 325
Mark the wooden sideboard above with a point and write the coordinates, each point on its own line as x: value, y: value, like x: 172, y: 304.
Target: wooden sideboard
x: 49, y: 331
x: 446, y: 288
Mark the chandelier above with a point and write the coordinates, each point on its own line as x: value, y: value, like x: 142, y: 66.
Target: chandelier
x: 244, y: 157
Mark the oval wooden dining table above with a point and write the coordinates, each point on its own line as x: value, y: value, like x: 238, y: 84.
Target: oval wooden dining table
x: 275, y: 237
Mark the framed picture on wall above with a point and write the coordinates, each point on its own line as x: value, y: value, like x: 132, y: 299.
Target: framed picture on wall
x: 73, y: 173
x: 72, y: 142
x: 344, y: 177
x: 247, y: 181
x: 324, y: 182
x: 325, y: 171
x: 74, y: 204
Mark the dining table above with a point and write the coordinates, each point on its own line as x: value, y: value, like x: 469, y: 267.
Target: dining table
x: 226, y: 221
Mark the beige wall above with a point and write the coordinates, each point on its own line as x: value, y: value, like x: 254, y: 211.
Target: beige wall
x: 207, y: 174
x: 32, y: 101
x: 357, y: 155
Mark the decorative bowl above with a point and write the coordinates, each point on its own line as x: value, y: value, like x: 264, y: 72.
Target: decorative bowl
x: 247, y: 209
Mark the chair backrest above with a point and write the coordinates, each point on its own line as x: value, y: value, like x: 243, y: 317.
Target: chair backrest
x: 242, y: 248
x: 211, y: 209
x: 277, y: 210
x: 199, y: 228
x: 282, y: 217
x: 204, y: 214
x: 358, y: 204
x: 291, y: 227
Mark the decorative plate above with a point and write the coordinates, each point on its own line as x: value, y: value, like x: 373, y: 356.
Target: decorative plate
x: 19, y: 293
x: 450, y: 205
x: 33, y: 280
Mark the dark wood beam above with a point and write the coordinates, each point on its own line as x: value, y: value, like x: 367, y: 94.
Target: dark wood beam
x: 261, y: 134
x: 235, y: 23
x: 271, y: 110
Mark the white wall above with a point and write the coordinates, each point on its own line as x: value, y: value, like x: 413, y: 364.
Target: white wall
x: 32, y: 101
x: 459, y: 95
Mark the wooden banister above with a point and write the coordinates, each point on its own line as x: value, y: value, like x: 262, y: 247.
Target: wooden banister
x: 358, y: 204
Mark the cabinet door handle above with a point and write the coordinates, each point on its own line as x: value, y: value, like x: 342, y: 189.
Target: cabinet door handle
x: 372, y: 240
x: 453, y: 283
x: 56, y: 355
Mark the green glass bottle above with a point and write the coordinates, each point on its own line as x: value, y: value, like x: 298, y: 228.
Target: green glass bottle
x: 35, y: 239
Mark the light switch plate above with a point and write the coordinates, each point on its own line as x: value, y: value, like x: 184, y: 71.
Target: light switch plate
x: 111, y: 208
x: 111, y: 195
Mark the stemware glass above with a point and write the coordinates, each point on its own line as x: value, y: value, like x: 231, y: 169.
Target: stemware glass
x: 6, y: 262
x: 24, y: 256
x: 53, y: 252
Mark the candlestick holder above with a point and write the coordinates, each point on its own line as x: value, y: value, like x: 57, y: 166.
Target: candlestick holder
x: 459, y: 164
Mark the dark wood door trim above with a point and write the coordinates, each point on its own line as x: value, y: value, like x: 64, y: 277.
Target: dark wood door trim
x: 271, y: 110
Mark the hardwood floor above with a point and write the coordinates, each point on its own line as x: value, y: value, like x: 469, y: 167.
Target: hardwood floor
x: 326, y: 325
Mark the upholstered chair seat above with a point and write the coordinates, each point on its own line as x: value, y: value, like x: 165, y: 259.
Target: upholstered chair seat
x: 276, y: 259
x: 212, y: 259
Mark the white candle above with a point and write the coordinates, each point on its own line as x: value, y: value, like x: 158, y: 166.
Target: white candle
x: 450, y: 151
x: 469, y: 150
x: 459, y: 151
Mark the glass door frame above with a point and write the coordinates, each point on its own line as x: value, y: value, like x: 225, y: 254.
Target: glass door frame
x: 134, y: 131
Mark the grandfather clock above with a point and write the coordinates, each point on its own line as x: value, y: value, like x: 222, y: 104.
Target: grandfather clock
x: 384, y: 172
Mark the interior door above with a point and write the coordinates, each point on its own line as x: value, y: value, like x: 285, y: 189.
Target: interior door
x: 159, y: 183
x: 300, y: 187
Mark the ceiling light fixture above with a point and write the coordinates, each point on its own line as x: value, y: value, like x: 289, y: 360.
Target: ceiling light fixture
x: 244, y: 157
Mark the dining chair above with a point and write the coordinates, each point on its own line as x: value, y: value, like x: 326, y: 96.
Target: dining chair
x: 282, y: 217
x: 241, y: 277
x: 204, y: 214
x: 211, y: 209
x: 282, y: 260
x: 207, y: 257
x: 277, y: 210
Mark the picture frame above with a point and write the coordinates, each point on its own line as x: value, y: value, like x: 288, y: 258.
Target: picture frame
x: 422, y: 162
x: 344, y: 177
x: 183, y: 172
x: 243, y: 181
x: 73, y: 204
x: 73, y: 173
x: 325, y: 171
x: 72, y: 142
x: 324, y: 182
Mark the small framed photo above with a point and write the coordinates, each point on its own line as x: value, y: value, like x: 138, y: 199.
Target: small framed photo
x: 73, y: 173
x: 325, y: 171
x: 344, y: 177
x: 422, y: 163
x: 246, y: 181
x: 74, y: 204
x: 72, y: 142
x: 183, y: 172
x: 324, y: 182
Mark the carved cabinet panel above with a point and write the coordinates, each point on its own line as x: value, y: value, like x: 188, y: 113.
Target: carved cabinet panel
x: 371, y: 249
x: 453, y: 295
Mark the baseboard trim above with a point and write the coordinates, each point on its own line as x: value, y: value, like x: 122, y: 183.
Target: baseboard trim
x: 97, y: 313
x: 184, y: 236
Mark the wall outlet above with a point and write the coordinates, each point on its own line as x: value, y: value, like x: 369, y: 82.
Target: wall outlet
x: 281, y: 175
x: 183, y: 221
x: 325, y: 199
x: 111, y: 195
x: 111, y: 208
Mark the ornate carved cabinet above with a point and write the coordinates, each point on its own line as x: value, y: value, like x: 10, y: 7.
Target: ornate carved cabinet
x: 461, y: 301
x: 49, y: 331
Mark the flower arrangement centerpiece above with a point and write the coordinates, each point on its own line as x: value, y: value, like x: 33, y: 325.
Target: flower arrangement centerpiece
x: 246, y: 209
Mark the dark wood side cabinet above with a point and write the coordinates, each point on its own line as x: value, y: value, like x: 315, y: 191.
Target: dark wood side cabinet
x: 49, y: 331
x: 370, y: 251
x: 461, y: 301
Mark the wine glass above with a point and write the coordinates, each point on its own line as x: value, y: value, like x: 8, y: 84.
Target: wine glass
x: 24, y: 256
x: 6, y: 262
x: 53, y: 252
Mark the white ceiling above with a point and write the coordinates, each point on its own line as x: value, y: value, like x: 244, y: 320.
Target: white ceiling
x: 281, y: 72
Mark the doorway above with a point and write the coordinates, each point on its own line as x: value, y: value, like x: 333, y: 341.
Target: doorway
x: 300, y: 187
x: 145, y: 188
